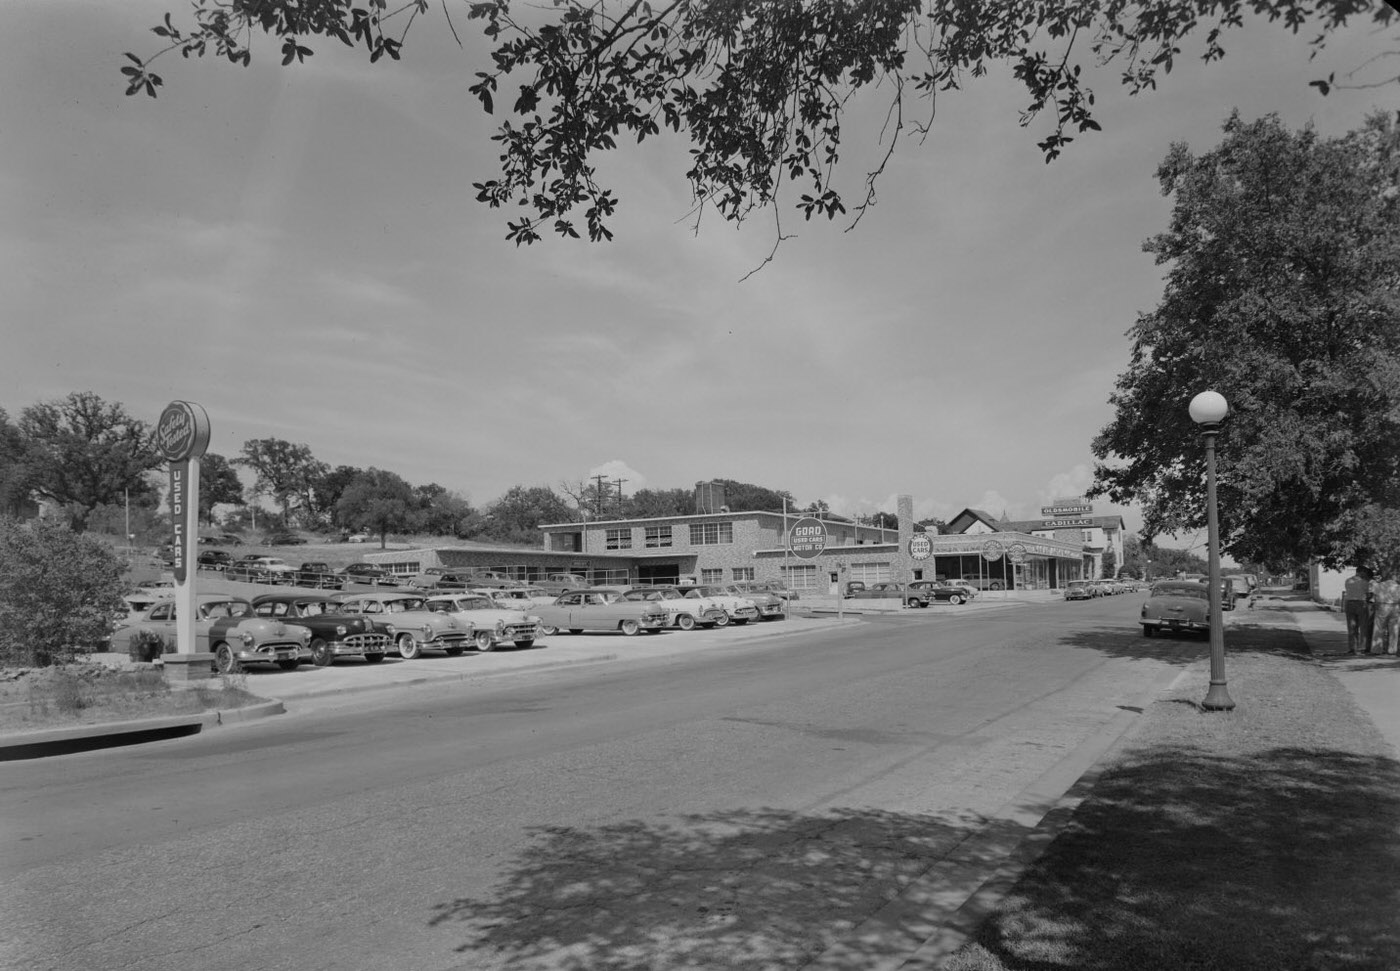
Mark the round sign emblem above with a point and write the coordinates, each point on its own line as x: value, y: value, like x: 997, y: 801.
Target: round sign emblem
x: 182, y: 432
x: 1017, y: 553
x: 807, y: 538
x: 992, y: 550
x: 920, y: 546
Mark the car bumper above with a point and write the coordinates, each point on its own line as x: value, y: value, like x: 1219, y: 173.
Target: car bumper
x: 361, y: 644
x: 271, y: 653
x: 744, y: 613
x: 1174, y: 623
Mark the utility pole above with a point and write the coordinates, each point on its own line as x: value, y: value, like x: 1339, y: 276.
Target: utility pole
x: 619, y: 482
x: 598, y: 499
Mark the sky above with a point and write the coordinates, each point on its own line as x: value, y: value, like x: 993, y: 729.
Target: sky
x: 300, y: 252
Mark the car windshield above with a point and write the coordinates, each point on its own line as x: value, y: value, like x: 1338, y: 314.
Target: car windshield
x: 1193, y: 591
x: 408, y: 603
x: 223, y: 608
x: 313, y: 608
x: 474, y: 603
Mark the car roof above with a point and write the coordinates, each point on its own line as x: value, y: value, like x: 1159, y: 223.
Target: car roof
x: 399, y: 595
x: 290, y: 597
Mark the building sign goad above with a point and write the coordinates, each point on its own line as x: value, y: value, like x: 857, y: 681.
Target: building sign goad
x: 807, y: 538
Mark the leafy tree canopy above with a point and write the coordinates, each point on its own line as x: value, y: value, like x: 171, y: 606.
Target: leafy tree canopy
x: 377, y: 500
x: 218, y: 485
x: 645, y: 503
x: 287, y: 472
x: 516, y: 516
x: 747, y: 497
x: 1284, y: 256
x: 759, y: 88
x: 83, y: 452
x: 14, y: 475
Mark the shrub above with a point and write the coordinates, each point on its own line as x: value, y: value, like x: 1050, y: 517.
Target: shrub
x: 58, y: 592
x: 147, y: 645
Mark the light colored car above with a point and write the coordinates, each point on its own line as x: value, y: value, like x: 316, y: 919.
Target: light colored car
x: 770, y: 605
x: 581, y: 610
x: 226, y: 627
x: 406, y: 618
x: 1080, y: 590
x: 687, y: 613
x: 775, y: 587
x: 335, y: 632
x: 741, y: 610
x: 518, y: 598
x: 557, y: 583
x: 491, y: 624
x: 1181, y: 606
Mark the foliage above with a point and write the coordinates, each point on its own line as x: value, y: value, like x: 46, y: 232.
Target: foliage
x: 14, y: 473
x: 82, y: 452
x: 377, y: 500
x: 1285, y: 265
x: 932, y: 524
x: 885, y: 520
x: 327, y: 488
x: 746, y: 497
x: 59, y: 591
x: 516, y: 516
x: 646, y: 503
x: 218, y: 485
x: 759, y: 88
x: 1110, y: 562
x: 147, y: 645
x: 285, y: 471
x: 441, y: 512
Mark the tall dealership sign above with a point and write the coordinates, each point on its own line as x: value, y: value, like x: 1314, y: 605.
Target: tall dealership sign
x: 182, y: 437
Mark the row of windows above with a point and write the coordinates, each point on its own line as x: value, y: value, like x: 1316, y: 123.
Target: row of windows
x: 659, y: 537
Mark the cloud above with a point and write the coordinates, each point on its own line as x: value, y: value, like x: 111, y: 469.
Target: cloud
x: 615, y: 469
x: 1075, y: 482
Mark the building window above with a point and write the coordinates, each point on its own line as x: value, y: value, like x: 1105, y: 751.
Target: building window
x: 403, y: 569
x: 743, y: 573
x: 711, y: 534
x: 658, y: 537
x: 618, y: 539
x: 800, y: 577
x: 870, y: 572
x: 712, y: 575
x: 566, y: 542
x: 1087, y: 535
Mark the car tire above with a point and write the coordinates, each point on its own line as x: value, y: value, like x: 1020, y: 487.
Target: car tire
x: 321, y: 653
x: 454, y: 651
x: 685, y: 622
x: 289, y: 665
x: 955, y: 599
x: 526, y: 644
x: 374, y: 657
x: 630, y: 628
x: 548, y: 631
x: 408, y: 647
x: 575, y: 630
x: 483, y: 641
x: 740, y: 621
x: 224, y: 661
x: 1148, y: 630
x: 722, y: 620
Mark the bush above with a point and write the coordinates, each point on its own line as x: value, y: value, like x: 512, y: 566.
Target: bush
x: 147, y: 645
x: 58, y: 592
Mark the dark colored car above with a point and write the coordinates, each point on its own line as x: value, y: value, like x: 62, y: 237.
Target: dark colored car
x: 320, y: 576
x: 1181, y: 606
x: 334, y: 632
x: 941, y: 592
x: 214, y: 559
x: 369, y: 573
x: 888, y: 590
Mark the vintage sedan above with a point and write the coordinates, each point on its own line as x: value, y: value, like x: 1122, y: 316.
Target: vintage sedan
x: 770, y: 605
x: 228, y: 628
x: 910, y: 595
x: 605, y: 610
x: 214, y: 560
x: 490, y: 623
x: 405, y: 617
x: 939, y: 592
x: 775, y: 587
x: 1177, y: 605
x: 557, y: 583
x: 334, y: 631
x: 255, y: 568
x: 1080, y: 590
x: 684, y: 612
x: 368, y: 573
x: 741, y: 610
x: 518, y: 598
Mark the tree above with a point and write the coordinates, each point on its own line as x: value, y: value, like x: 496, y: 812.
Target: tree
x: 14, y: 473
x: 58, y: 592
x: 647, y: 503
x: 441, y: 512
x: 759, y: 88
x: 82, y: 452
x: 745, y: 497
x: 218, y: 485
x: 885, y: 520
x: 327, y: 489
x: 1285, y: 264
x: 516, y: 516
x: 286, y: 472
x: 376, y: 500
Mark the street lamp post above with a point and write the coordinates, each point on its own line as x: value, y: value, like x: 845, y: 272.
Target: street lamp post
x: 1208, y: 409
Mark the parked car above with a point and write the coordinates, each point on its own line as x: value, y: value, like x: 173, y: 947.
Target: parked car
x: 776, y: 587
x: 939, y: 592
x: 684, y: 612
x: 437, y: 578
x: 226, y: 627
x: 368, y: 573
x: 557, y: 583
x: 1181, y: 606
x: 357, y: 538
x: 335, y: 632
x: 770, y: 605
x: 984, y: 583
x: 486, y: 579
x: 888, y: 590
x: 741, y: 610
x: 605, y: 610
x: 490, y: 623
x: 518, y: 598
x: 283, y: 539
x: 320, y: 576
x: 214, y: 559
x: 1238, y: 586
x: 405, y: 617
x: 256, y: 568
x: 1080, y: 590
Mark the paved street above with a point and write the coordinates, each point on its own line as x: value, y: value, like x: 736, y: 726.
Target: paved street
x: 740, y: 804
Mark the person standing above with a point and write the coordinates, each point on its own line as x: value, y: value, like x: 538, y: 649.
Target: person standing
x: 1356, y: 606
x: 1385, y: 598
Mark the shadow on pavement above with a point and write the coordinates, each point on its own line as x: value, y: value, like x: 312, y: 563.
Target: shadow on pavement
x: 763, y: 888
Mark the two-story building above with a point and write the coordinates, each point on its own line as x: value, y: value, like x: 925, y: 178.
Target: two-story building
x: 1069, y: 520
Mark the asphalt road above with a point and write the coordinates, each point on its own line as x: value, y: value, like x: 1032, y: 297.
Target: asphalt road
x: 748, y: 807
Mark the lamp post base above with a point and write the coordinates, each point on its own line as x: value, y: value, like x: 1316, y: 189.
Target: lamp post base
x: 1217, y: 698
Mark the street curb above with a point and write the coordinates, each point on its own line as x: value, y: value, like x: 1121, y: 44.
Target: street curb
x: 81, y: 738
x: 449, y: 678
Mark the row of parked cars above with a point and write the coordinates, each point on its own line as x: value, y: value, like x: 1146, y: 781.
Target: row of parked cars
x: 1107, y: 587
x: 308, y: 626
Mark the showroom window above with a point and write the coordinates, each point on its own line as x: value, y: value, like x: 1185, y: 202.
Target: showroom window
x: 801, y: 577
x: 712, y: 575
x: 403, y: 569
x: 711, y: 534
x: 743, y: 573
x: 870, y: 572
x: 658, y: 537
x: 618, y: 539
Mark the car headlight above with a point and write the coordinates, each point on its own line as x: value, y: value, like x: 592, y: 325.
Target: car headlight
x: 247, y: 639
x: 426, y: 628
x: 340, y: 630
x: 500, y: 627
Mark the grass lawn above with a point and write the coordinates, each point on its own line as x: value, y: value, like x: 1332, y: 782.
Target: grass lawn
x: 82, y: 694
x: 1265, y: 839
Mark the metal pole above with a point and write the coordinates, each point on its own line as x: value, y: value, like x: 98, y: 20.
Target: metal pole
x: 1217, y: 698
